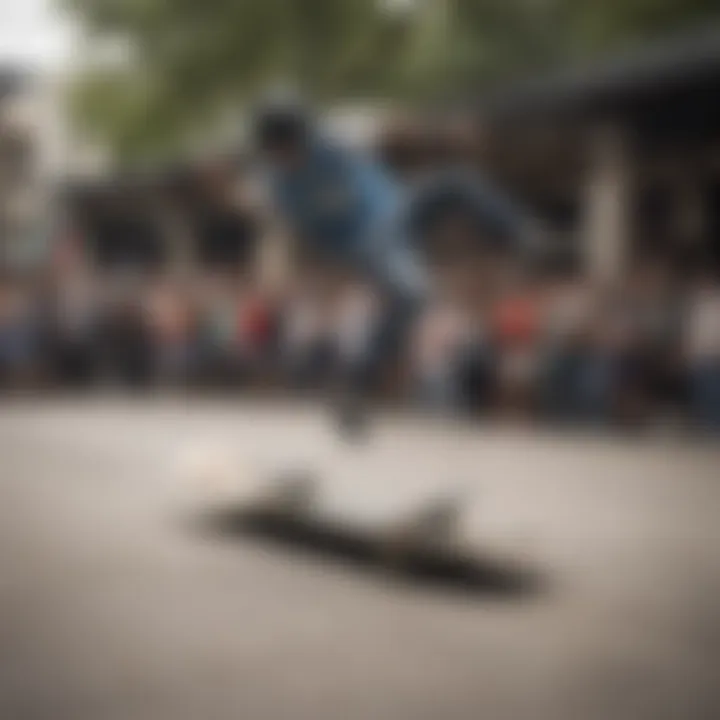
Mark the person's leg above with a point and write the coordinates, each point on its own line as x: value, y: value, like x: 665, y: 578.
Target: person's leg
x: 358, y: 372
x: 386, y: 263
x: 399, y: 277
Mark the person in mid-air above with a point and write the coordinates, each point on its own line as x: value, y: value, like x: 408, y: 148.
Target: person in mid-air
x: 359, y: 232
x: 343, y: 212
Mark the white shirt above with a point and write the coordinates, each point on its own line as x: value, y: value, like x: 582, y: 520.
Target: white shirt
x: 438, y: 337
x: 703, y: 338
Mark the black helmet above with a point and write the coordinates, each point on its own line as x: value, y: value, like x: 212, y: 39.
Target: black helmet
x: 280, y: 124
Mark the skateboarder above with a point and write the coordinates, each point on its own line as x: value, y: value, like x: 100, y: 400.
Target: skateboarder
x: 343, y: 212
x: 350, y: 219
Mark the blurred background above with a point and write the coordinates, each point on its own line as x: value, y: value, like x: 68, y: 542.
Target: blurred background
x: 135, y: 251
x: 148, y: 303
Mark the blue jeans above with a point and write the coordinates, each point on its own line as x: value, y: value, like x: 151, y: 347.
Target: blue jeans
x: 578, y: 385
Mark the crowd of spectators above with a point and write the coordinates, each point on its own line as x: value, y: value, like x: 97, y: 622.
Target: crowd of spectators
x: 646, y: 350
x: 514, y: 342
x: 136, y: 331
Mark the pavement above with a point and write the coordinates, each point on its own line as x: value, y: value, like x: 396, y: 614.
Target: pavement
x: 114, y: 605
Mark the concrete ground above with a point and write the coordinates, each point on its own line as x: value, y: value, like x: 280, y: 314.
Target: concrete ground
x: 114, y: 607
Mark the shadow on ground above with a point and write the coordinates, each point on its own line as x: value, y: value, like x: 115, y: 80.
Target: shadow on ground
x: 451, y: 572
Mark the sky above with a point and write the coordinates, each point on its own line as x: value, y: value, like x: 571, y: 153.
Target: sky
x: 31, y: 33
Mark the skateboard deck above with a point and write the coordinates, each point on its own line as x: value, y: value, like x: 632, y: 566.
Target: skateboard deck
x: 372, y: 493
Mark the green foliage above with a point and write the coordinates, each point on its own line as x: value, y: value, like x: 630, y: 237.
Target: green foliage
x: 192, y: 59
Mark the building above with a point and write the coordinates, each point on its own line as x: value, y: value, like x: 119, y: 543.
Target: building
x: 621, y: 159
x: 38, y: 152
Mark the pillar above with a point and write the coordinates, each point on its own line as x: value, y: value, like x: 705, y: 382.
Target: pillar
x: 608, y: 200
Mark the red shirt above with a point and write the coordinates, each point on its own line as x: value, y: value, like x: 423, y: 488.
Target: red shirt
x: 516, y: 321
x: 254, y: 321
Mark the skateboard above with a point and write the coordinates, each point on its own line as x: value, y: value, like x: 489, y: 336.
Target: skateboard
x: 399, y: 523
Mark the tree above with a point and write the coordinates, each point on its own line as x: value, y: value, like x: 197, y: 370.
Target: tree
x: 191, y: 60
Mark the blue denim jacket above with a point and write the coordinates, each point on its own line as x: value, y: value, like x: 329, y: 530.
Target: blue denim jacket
x: 349, y: 209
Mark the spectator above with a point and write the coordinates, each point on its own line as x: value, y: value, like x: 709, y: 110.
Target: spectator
x: 516, y: 326
x: 703, y: 352
x: 171, y: 324
x: 568, y: 358
x: 18, y: 337
x: 217, y: 331
x: 441, y: 336
x: 650, y: 329
x: 77, y: 311
x: 452, y: 361
x: 607, y: 336
x: 305, y: 347
x: 124, y: 337
x: 255, y: 328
